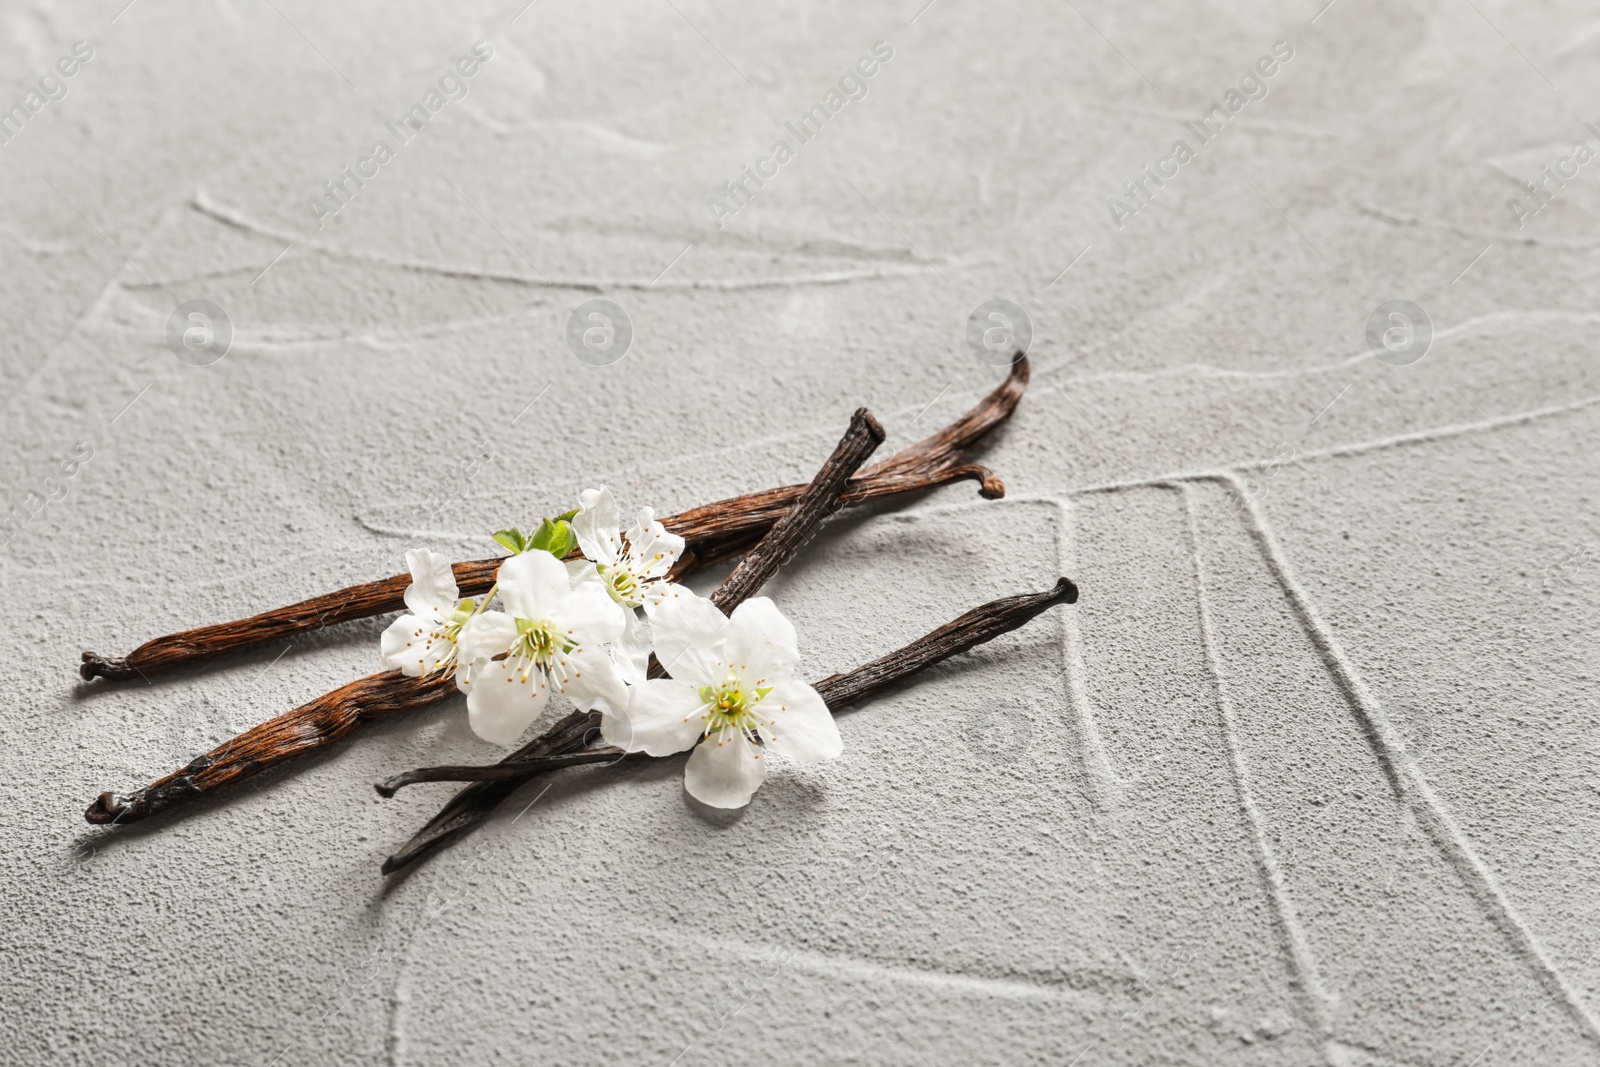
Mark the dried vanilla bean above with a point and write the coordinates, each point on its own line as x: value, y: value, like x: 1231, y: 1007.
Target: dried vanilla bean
x: 563, y: 747
x: 305, y: 729
x: 378, y: 696
x: 819, y: 500
x: 714, y: 532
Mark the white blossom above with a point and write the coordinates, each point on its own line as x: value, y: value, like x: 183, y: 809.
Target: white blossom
x: 732, y: 698
x: 552, y: 637
x: 425, y: 640
x: 633, y: 566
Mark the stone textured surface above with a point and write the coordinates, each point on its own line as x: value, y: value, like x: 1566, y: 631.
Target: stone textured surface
x: 1307, y: 776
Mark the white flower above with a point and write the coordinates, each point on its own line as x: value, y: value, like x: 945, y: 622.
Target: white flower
x: 633, y: 567
x: 425, y: 640
x: 731, y: 686
x: 552, y: 636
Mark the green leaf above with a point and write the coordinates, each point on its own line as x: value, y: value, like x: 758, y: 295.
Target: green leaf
x: 513, y: 539
x: 566, y: 516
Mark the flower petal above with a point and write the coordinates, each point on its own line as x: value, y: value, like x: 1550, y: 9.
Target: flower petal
x: 597, y: 525
x: 663, y: 716
x: 501, y: 704
x: 593, y: 681
x: 797, y: 724
x: 580, y: 570
x: 588, y: 615
x: 433, y: 584
x: 484, y: 637
x: 725, y: 775
x: 632, y: 650
x: 651, y: 549
x: 658, y: 593
x: 688, y: 632
x: 761, y: 643
x: 404, y: 649
x: 532, y: 583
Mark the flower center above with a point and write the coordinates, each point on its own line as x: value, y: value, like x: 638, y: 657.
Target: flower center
x: 447, y: 634
x: 622, y: 584
x: 540, y: 642
x: 730, y: 706
x: 457, y: 619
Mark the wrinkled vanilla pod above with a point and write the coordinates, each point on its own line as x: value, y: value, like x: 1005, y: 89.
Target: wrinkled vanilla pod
x: 305, y: 729
x: 714, y: 532
x: 389, y: 693
x: 566, y: 744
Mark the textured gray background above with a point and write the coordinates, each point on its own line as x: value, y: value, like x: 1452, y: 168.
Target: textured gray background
x: 1322, y: 791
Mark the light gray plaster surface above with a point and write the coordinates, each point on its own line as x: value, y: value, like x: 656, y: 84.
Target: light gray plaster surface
x: 1307, y: 776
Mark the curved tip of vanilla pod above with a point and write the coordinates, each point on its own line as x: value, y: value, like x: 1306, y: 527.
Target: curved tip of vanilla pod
x: 990, y: 487
x: 93, y: 666
x: 1065, y: 592
x: 1019, y: 367
x: 106, y: 808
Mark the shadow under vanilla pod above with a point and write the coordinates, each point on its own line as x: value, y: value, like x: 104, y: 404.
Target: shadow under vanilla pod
x: 712, y: 533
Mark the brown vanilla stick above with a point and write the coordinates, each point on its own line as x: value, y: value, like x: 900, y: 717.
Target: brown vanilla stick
x: 714, y: 532
x: 307, y: 728
x: 814, y: 504
x: 838, y: 691
x: 818, y: 500
x: 378, y: 696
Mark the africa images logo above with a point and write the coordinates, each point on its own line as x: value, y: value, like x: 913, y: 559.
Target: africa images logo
x: 1253, y: 85
x: 1544, y: 189
x: 199, y: 332
x: 452, y: 85
x: 49, y: 89
x: 852, y: 86
x: 1399, y: 333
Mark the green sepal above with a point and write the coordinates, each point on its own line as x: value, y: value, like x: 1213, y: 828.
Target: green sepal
x: 569, y: 540
x: 555, y: 537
